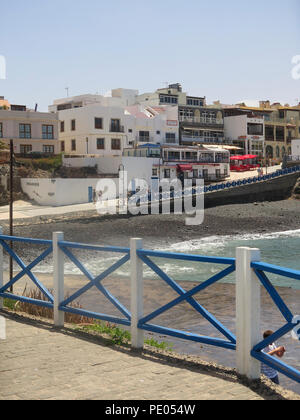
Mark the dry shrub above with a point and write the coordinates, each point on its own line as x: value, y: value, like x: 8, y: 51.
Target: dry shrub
x: 43, y: 312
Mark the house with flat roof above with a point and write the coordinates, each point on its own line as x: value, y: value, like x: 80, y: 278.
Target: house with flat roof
x: 31, y: 131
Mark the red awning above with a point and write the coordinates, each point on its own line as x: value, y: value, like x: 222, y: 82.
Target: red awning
x: 237, y: 158
x: 250, y: 156
x: 245, y: 157
x: 185, y: 168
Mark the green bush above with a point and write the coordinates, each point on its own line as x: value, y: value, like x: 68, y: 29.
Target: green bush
x: 46, y: 164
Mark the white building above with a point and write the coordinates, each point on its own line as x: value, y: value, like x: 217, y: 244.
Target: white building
x: 247, y: 131
x: 98, y: 126
x: 150, y: 162
x: 296, y: 149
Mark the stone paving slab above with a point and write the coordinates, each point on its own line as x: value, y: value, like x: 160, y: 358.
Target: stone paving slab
x: 38, y: 362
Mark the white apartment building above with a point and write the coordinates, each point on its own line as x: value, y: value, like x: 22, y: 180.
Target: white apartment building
x: 150, y: 162
x: 32, y: 132
x: 105, y: 125
x: 247, y: 131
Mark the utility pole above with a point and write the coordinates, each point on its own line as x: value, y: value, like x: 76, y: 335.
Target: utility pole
x: 11, y: 200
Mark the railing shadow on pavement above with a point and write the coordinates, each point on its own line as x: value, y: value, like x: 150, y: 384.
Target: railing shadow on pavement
x: 250, y: 273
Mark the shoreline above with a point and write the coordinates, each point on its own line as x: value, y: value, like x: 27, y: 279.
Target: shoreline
x: 236, y: 219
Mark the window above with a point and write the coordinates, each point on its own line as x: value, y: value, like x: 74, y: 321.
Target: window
x: 186, y: 113
x: 62, y: 126
x: 115, y: 144
x: 255, y: 129
x: 158, y: 132
x: 167, y: 99
x: 47, y: 131
x: 25, y: 131
x: 73, y: 145
x: 48, y: 149
x: 25, y: 148
x: 194, y: 102
x: 100, y: 144
x: 195, y: 173
x: 170, y: 137
x: 73, y: 125
x: 115, y: 126
x: 167, y: 173
x: 280, y: 133
x: 1, y: 131
x: 98, y: 123
x: 129, y: 130
x: 154, y: 172
x: 173, y: 155
x: 62, y: 146
x: 277, y: 152
x: 144, y: 136
x: 269, y: 133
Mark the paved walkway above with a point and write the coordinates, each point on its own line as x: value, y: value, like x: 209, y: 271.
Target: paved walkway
x: 39, y: 362
x: 23, y: 209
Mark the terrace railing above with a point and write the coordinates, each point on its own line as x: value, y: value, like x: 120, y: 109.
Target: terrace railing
x: 250, y: 275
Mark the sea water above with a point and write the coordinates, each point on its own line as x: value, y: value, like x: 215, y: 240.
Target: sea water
x: 282, y: 249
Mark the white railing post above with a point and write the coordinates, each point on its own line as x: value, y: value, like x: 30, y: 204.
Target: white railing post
x: 137, y: 295
x: 248, y: 307
x: 58, y: 279
x: 1, y: 269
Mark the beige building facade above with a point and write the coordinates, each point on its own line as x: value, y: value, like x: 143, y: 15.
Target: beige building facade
x: 32, y: 132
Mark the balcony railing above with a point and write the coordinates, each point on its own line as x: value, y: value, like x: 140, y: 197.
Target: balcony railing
x: 270, y: 119
x: 195, y: 161
x: 211, y: 140
x: 293, y: 158
x: 117, y: 129
x: 201, y: 120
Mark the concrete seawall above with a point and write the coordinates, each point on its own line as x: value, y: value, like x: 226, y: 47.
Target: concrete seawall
x: 274, y: 190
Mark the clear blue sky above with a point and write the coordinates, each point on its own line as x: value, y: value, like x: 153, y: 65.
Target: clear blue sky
x: 228, y: 50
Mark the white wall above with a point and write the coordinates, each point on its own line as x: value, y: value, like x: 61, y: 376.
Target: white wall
x: 105, y: 165
x: 296, y: 147
x: 59, y: 192
x: 139, y: 167
x: 85, y: 129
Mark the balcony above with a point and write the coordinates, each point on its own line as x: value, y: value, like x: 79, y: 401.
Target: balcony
x: 276, y: 120
x: 116, y: 128
x: 192, y: 160
x: 214, y: 122
x: 204, y: 140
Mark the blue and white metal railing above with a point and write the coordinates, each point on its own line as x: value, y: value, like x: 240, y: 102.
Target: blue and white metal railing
x: 250, y: 275
x: 260, y: 270
x: 25, y: 270
x: 144, y: 255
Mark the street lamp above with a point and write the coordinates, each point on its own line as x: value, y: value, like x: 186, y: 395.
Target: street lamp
x: 122, y: 169
x: 11, y: 200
